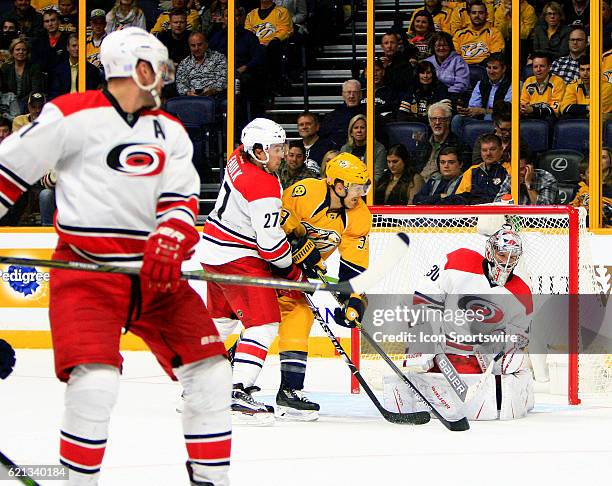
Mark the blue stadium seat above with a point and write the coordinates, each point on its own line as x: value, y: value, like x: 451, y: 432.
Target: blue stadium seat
x: 567, y: 192
x: 475, y: 129
x: 536, y: 134
x: 571, y: 135
x: 477, y: 73
x: 563, y: 164
x: 608, y: 134
x: 403, y: 132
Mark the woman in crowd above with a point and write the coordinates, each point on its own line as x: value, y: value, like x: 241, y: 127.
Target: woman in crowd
x: 125, y: 13
x: 451, y: 69
x: 400, y: 181
x: 552, y: 35
x: 426, y: 90
x: 356, y: 145
x: 420, y: 33
x: 19, y: 75
x: 212, y: 18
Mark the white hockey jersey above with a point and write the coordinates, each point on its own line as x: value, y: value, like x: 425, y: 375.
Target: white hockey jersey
x: 117, y: 178
x: 473, y: 308
x: 246, y: 220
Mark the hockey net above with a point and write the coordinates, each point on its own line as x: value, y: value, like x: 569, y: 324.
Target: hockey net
x: 556, y: 256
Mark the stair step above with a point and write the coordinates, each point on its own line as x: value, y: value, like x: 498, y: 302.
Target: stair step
x: 295, y: 111
x: 328, y: 74
x: 315, y: 100
x: 319, y: 84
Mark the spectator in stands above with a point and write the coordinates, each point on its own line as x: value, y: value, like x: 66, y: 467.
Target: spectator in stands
x: 125, y: 13
x: 64, y: 78
x: 398, y: 69
x: 606, y: 83
x: 315, y: 147
x: 36, y: 101
x: 426, y: 90
x: 298, y: 10
x: 163, y: 23
x: 566, y: 67
x: 460, y: 18
x: 5, y: 128
x: 478, y: 41
x: 28, y: 20
x: 495, y: 87
x: 480, y: 183
x: 577, y: 12
x: 606, y: 21
x: 335, y: 123
x: 450, y: 67
x: 576, y: 98
x: 330, y: 154
x: 52, y: 48
x: 583, y: 195
x: 68, y: 16
x: 502, y: 127
x: 97, y: 24
x: 385, y: 99
x: 420, y: 33
x: 8, y: 34
x: 503, y: 19
x: 356, y: 145
x: 552, y: 34
x: 536, y: 186
x: 20, y: 76
x: 46, y: 198
x: 212, y: 18
x: 400, y: 181
x: 542, y: 93
x: 441, y: 136
x: 177, y: 38
x: 204, y: 72
x: 443, y: 184
x: 293, y: 167
x: 441, y: 15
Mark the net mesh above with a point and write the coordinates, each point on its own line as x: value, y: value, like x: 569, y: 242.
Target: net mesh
x: 546, y: 260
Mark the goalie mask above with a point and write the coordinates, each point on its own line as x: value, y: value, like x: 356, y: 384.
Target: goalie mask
x: 503, y: 251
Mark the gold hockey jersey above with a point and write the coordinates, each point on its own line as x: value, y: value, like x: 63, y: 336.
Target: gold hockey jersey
x: 306, y: 212
x: 475, y: 46
x: 277, y: 24
x: 551, y: 94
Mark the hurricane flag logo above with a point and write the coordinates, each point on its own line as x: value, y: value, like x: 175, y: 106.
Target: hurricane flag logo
x: 137, y: 159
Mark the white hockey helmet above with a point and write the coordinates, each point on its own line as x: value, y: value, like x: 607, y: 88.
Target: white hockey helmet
x: 265, y: 133
x: 122, y: 49
x: 503, y: 251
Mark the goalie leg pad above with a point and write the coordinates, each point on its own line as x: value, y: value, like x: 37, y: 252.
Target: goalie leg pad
x: 517, y: 395
x: 91, y: 394
x: 251, y: 352
x: 206, y: 418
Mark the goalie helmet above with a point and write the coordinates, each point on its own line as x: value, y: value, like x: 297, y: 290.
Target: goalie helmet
x: 503, y: 251
x: 264, y: 132
x: 351, y: 171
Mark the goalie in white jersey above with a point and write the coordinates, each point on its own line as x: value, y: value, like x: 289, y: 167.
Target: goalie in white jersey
x: 127, y: 194
x: 478, y: 306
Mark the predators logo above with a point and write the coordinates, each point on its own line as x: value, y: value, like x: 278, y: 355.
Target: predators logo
x: 264, y: 30
x: 325, y: 240
x: 474, y: 50
x: 607, y: 76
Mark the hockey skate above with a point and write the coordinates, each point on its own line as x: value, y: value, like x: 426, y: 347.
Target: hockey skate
x: 248, y: 411
x: 294, y: 405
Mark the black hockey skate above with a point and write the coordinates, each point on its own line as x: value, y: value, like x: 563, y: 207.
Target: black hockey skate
x: 193, y: 481
x: 248, y: 411
x: 294, y: 405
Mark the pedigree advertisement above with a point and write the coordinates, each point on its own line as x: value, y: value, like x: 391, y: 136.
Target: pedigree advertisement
x: 24, y: 286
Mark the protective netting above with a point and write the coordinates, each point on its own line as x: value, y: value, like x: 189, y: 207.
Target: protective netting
x: 556, y: 258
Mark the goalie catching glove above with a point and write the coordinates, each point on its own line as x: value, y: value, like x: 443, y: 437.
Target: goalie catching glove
x: 352, y: 313
x: 166, y: 249
x: 306, y: 255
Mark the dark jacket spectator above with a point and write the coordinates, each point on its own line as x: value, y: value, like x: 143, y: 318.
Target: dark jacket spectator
x: 61, y: 80
x: 426, y: 90
x: 356, y: 145
x: 308, y: 126
x: 178, y: 45
x: 400, y: 181
x: 20, y: 76
x: 398, y: 69
x: 441, y: 186
x: 335, y: 124
x: 28, y: 20
x: 51, y: 48
x: 553, y: 20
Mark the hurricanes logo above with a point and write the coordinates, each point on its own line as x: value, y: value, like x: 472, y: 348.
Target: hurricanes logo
x: 24, y: 280
x: 264, y: 29
x: 137, y: 159
x: 474, y: 50
x: 490, y: 312
x: 325, y: 240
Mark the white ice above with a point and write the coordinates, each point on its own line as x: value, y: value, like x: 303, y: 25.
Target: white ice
x: 349, y: 445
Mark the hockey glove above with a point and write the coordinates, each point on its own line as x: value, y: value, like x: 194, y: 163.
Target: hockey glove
x: 294, y: 273
x: 306, y: 255
x: 352, y: 313
x: 7, y: 359
x: 165, y: 250
x: 507, y: 351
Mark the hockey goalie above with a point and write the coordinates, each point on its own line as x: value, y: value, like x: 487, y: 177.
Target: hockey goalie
x: 477, y: 311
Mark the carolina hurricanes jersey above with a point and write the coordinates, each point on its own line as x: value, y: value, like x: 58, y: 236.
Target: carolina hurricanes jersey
x: 246, y: 218
x: 460, y: 284
x: 118, y: 175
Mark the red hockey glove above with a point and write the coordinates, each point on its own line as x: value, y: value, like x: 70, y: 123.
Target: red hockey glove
x: 290, y: 273
x: 164, y: 253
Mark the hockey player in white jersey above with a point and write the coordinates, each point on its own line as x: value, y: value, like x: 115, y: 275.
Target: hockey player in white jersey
x: 127, y: 194
x: 243, y: 236
x: 476, y: 307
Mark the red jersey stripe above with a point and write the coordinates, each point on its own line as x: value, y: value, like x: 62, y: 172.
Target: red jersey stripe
x: 78, y: 454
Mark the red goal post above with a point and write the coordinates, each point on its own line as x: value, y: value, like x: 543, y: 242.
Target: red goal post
x: 556, y: 256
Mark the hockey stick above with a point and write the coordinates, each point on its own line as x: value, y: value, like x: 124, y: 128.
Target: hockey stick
x: 416, y: 418
x: 455, y: 426
x: 359, y: 284
x: 15, y: 472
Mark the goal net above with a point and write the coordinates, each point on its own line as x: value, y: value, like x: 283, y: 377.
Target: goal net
x: 556, y: 257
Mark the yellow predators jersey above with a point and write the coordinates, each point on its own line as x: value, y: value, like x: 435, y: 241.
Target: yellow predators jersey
x: 441, y: 19
x: 576, y: 93
x: 460, y: 18
x: 527, y: 16
x: 306, y: 212
x: 475, y: 46
x: 606, y: 82
x: 550, y: 94
x: 277, y: 24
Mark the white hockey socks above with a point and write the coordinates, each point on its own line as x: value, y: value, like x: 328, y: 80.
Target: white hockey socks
x: 90, y: 396
x: 251, y: 353
x: 225, y: 326
x: 207, y: 423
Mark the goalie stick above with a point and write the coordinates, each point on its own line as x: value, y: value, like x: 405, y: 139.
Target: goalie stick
x: 416, y: 418
x: 359, y: 284
x: 11, y: 466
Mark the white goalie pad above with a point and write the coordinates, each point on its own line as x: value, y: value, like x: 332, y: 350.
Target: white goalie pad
x: 517, y: 395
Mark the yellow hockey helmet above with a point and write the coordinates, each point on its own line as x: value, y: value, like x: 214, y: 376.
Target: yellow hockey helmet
x: 350, y: 170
